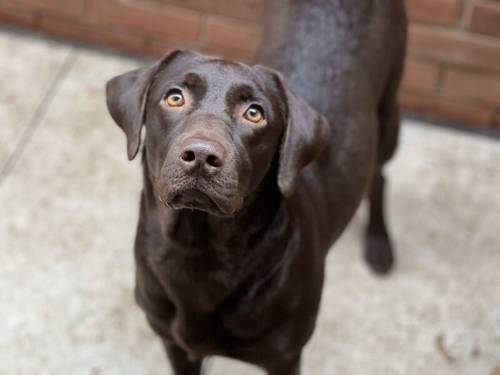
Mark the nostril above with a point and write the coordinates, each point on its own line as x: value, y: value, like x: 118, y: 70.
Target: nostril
x: 214, y: 161
x: 188, y: 156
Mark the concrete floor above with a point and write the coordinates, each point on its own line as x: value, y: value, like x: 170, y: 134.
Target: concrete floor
x: 68, y: 210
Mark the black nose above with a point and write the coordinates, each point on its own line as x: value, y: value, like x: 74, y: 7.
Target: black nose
x: 202, y: 155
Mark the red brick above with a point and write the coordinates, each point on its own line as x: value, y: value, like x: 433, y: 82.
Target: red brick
x: 70, y: 7
x: 443, y: 107
x: 225, y: 34
x: 473, y: 85
x: 420, y: 75
x: 242, y: 9
x: 149, y: 19
x: 434, y: 11
x: 88, y: 33
x: 17, y: 16
x: 486, y: 19
x: 456, y: 47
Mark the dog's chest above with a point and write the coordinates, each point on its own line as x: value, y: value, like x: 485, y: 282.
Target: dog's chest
x: 197, y: 283
x: 208, y: 280
x: 200, y: 287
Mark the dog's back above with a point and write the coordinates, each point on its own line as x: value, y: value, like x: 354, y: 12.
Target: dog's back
x: 335, y: 53
x: 345, y: 58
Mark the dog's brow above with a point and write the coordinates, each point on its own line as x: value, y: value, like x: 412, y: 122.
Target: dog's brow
x: 196, y: 84
x: 240, y: 92
x: 192, y: 79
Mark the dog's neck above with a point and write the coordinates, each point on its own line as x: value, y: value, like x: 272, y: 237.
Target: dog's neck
x: 227, y: 256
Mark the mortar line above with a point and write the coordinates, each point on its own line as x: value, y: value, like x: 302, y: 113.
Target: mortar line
x: 38, y: 115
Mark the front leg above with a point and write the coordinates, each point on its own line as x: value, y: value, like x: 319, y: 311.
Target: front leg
x: 180, y: 362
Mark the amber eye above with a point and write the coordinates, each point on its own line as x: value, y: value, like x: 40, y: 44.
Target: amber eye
x: 254, y: 114
x: 174, y: 98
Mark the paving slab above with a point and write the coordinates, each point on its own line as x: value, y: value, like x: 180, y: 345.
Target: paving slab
x: 28, y: 68
x: 68, y: 213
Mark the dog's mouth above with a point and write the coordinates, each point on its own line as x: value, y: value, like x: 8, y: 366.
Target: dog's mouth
x: 193, y: 199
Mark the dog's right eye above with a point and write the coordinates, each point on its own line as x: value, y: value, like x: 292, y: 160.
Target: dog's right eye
x: 174, y: 98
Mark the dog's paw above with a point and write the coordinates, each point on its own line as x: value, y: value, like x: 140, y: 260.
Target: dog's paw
x: 378, y: 254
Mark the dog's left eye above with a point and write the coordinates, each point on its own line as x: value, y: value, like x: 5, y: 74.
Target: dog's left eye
x: 174, y: 98
x: 254, y: 114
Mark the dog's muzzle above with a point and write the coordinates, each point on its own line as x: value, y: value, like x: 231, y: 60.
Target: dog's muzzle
x: 198, y: 176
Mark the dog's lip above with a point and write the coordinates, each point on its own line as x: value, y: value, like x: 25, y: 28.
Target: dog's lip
x: 194, y: 199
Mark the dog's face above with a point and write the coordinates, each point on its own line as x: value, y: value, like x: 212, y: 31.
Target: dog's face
x: 213, y: 128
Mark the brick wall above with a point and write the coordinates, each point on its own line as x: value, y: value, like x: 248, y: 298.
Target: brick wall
x: 452, y: 70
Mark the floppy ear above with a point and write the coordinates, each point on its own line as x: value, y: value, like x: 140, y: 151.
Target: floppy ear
x: 306, y: 135
x: 126, y: 97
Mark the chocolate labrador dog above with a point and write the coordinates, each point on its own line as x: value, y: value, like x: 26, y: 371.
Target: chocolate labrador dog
x: 251, y: 172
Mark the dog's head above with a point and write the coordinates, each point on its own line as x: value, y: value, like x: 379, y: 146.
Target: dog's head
x: 213, y: 128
